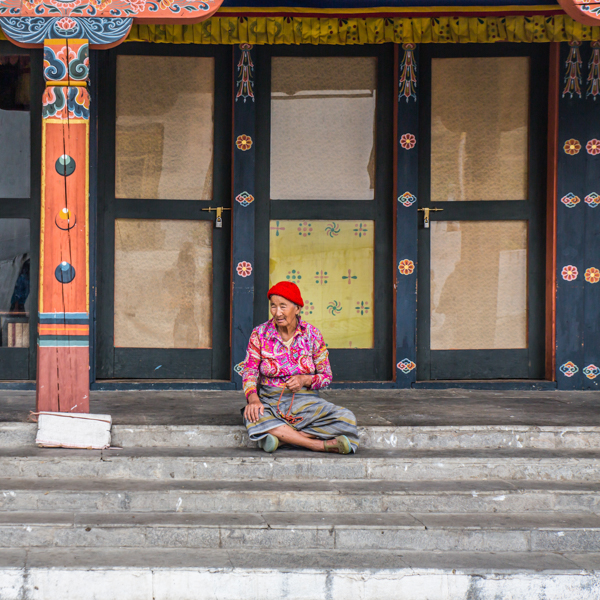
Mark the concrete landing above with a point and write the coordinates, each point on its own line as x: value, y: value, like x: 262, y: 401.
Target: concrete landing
x: 403, y: 408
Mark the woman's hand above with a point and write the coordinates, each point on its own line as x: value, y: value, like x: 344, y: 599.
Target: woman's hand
x: 296, y: 382
x: 254, y: 409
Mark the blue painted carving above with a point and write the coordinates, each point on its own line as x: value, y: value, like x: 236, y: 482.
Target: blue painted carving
x: 34, y: 30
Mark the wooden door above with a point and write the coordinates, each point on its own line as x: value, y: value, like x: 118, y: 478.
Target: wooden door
x: 164, y: 151
x: 324, y: 188
x: 482, y: 175
x: 21, y: 87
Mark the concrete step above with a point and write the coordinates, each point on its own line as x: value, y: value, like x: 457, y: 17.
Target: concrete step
x: 243, y: 464
x: 357, y: 496
x: 415, y: 532
x: 186, y: 574
x: 374, y: 437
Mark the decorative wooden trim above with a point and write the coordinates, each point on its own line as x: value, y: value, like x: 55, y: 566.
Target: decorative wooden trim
x: 590, y: 150
x: 573, y: 128
x: 104, y: 25
x: 395, y: 213
x: 63, y: 299
x: 405, y: 210
x: 243, y: 206
x: 551, y: 208
x: 578, y: 219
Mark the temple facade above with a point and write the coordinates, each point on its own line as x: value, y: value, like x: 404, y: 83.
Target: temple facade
x: 428, y: 175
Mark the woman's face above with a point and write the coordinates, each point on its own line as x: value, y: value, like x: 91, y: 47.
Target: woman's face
x: 284, y: 311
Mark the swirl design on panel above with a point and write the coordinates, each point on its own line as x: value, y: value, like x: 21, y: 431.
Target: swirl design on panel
x: 34, y: 30
x: 54, y: 68
x: 76, y: 100
x: 79, y: 66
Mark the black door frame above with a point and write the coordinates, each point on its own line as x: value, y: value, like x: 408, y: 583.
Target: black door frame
x: 525, y: 363
x: 20, y: 363
x: 141, y: 363
x: 348, y: 365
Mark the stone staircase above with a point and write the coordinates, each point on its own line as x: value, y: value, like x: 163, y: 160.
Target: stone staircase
x: 420, y: 513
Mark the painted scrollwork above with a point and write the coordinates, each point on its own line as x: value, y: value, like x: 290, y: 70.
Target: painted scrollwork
x: 102, y: 22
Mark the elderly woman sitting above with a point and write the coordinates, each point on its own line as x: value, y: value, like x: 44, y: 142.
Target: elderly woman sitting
x: 289, y: 359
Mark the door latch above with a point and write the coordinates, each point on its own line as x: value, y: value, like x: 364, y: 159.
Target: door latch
x: 219, y: 210
x: 426, y: 212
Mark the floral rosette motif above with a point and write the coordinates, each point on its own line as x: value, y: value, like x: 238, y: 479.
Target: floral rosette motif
x: 243, y: 142
x: 569, y: 273
x: 572, y: 147
x: 406, y: 267
x: 592, y: 275
x: 244, y: 269
x: 408, y: 141
x: 593, y: 147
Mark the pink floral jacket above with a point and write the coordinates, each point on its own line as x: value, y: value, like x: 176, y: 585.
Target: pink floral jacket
x: 269, y: 362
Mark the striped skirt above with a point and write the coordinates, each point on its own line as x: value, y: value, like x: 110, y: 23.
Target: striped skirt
x: 318, y: 417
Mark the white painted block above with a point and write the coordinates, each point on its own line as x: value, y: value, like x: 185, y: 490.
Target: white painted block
x: 73, y: 430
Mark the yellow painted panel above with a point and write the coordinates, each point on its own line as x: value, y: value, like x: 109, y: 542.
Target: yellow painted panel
x: 332, y: 263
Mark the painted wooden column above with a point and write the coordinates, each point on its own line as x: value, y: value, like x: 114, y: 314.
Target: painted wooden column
x: 63, y: 330
x: 578, y: 219
x: 405, y: 210
x: 244, y: 152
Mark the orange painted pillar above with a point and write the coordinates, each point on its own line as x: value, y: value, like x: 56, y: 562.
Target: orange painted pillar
x: 63, y: 330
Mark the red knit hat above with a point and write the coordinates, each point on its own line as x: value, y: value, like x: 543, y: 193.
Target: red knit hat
x: 288, y: 290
